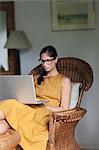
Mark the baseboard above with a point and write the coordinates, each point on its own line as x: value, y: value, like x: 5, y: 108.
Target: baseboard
x: 89, y: 146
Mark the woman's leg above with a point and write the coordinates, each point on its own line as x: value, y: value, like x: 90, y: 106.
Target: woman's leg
x: 3, y: 123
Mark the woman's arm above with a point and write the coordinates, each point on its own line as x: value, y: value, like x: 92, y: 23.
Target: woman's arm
x: 66, y: 95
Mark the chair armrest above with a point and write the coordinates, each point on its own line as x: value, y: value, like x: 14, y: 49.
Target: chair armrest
x: 68, y: 115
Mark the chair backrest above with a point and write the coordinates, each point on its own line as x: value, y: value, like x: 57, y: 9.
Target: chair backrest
x: 78, y: 70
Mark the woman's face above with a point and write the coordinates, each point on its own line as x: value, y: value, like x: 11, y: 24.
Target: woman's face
x: 48, y: 63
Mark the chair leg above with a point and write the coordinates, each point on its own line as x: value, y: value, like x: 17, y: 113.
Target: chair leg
x: 69, y: 141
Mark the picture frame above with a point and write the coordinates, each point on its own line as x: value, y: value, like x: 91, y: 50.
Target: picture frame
x: 72, y: 14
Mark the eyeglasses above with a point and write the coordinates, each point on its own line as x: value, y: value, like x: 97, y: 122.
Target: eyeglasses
x: 47, y: 61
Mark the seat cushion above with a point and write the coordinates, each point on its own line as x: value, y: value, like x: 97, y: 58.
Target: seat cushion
x: 74, y: 95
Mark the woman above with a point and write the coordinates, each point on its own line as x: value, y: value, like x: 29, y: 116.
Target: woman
x: 31, y: 121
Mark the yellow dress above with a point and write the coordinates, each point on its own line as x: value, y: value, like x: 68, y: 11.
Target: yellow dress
x: 32, y: 121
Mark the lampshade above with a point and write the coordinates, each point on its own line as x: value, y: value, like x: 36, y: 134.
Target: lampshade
x: 18, y: 40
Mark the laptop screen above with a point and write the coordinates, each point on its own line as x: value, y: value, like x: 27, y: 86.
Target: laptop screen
x: 20, y: 87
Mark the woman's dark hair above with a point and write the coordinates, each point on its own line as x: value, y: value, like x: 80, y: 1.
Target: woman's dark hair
x: 51, y: 52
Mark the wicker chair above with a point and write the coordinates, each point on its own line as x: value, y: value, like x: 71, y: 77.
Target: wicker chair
x: 62, y: 124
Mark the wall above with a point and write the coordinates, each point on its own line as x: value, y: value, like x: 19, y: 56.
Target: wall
x: 34, y: 17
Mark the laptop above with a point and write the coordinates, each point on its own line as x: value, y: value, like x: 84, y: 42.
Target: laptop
x: 19, y: 87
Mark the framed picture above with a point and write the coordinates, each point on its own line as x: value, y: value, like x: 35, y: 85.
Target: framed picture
x: 72, y: 14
